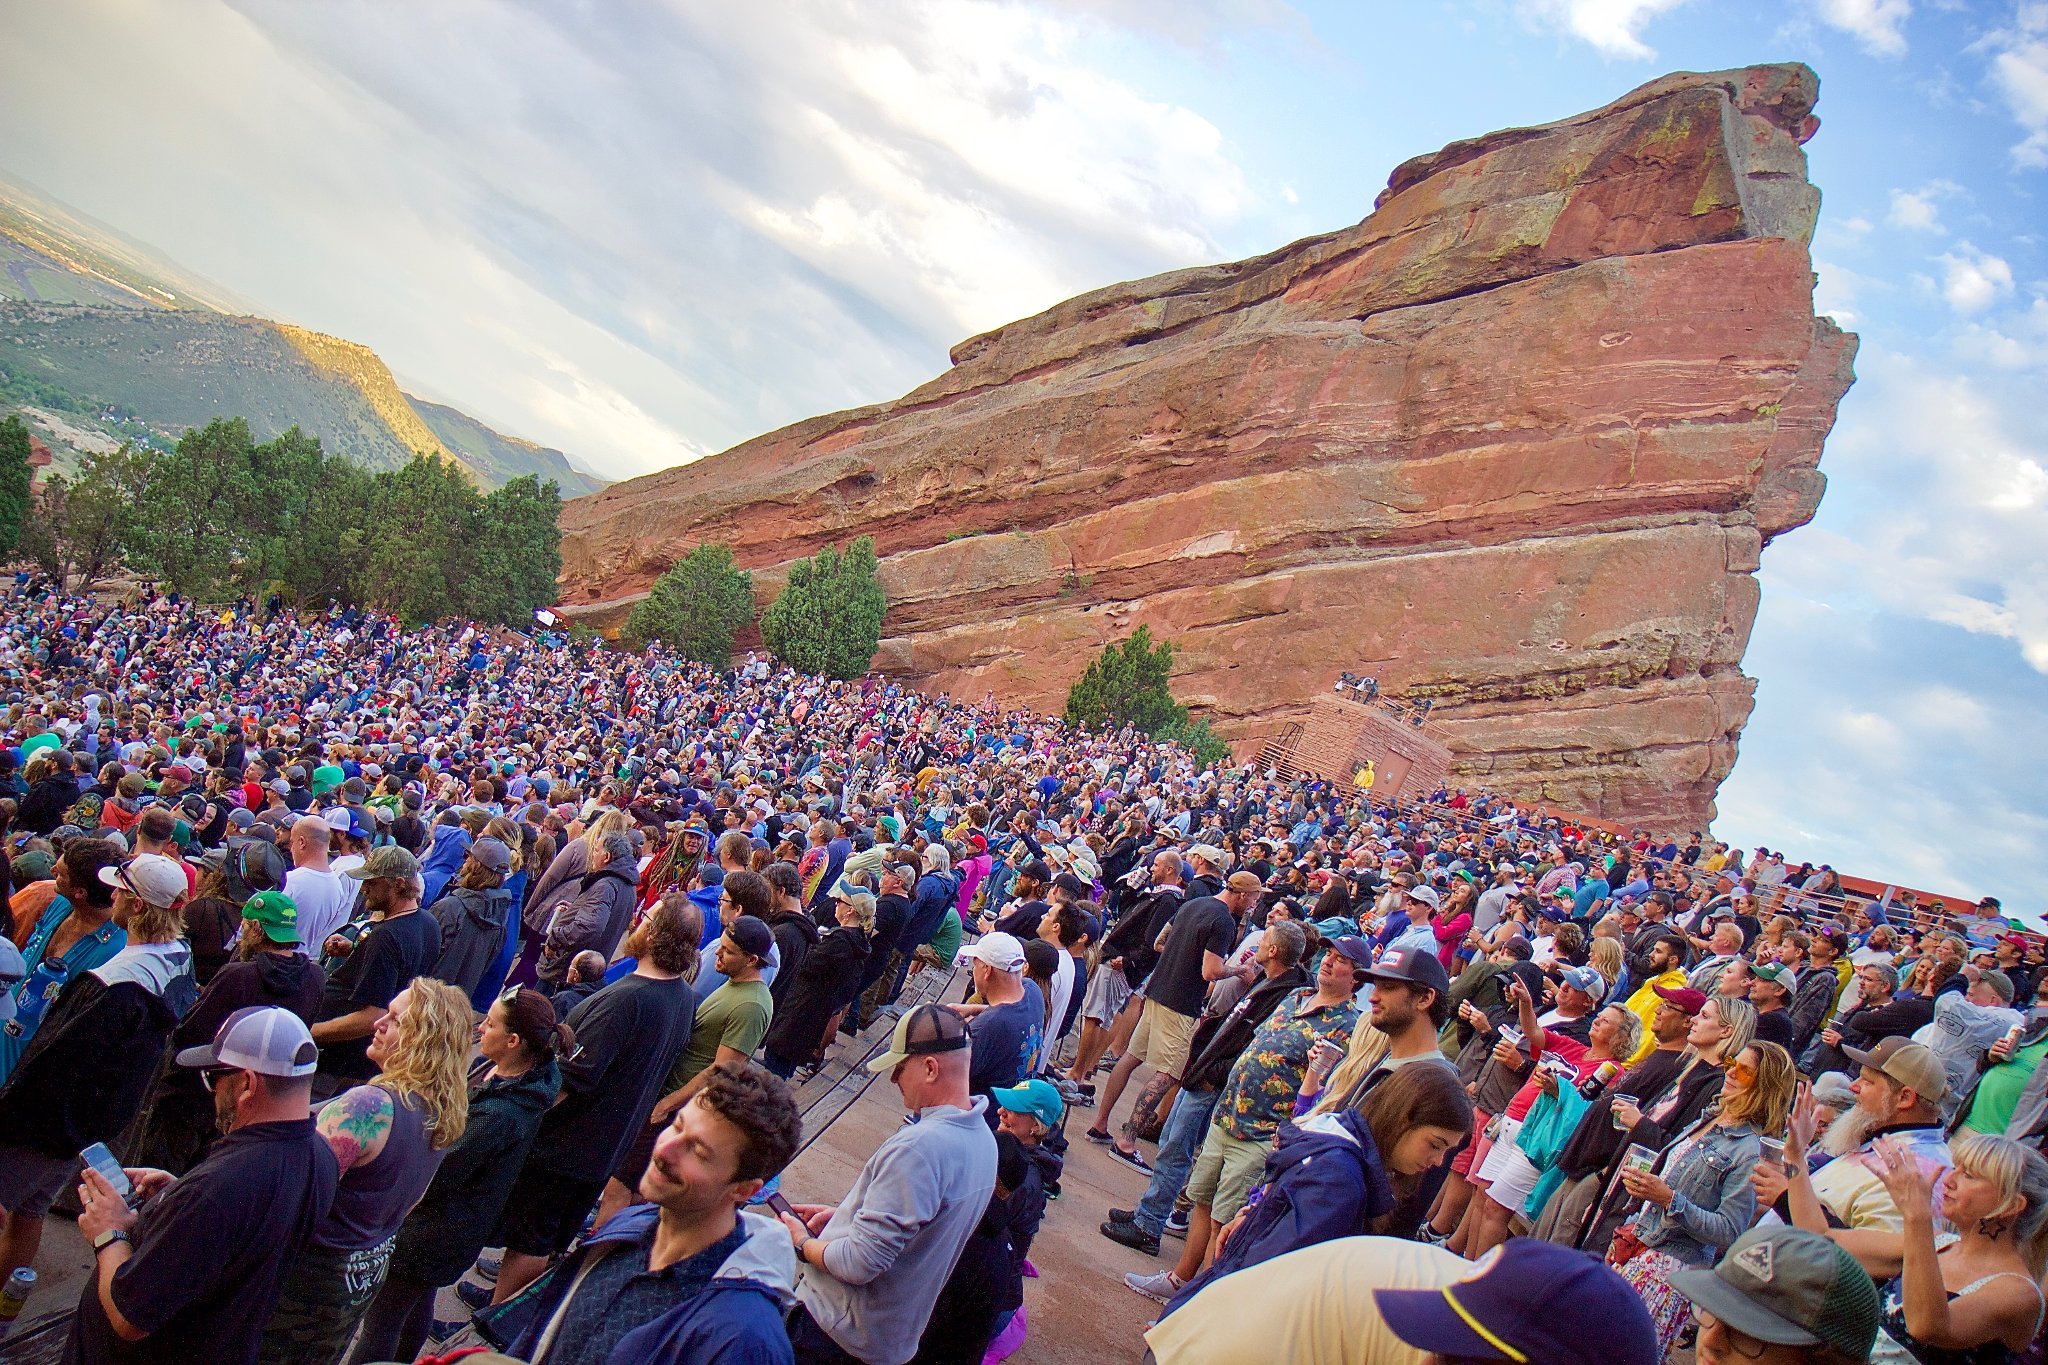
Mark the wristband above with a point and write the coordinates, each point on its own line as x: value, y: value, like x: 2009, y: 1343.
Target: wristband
x: 108, y: 1238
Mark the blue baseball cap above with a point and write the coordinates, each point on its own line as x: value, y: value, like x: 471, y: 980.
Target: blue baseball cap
x: 1530, y: 1303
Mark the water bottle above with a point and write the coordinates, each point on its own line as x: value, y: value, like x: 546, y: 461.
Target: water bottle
x: 20, y: 1285
x: 33, y: 997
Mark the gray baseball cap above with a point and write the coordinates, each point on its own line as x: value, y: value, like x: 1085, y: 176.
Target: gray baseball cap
x: 1790, y: 1287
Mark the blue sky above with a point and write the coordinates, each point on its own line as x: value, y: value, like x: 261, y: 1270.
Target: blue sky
x: 645, y: 232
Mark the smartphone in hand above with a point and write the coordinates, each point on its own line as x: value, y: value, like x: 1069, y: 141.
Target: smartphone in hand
x: 100, y: 1159
x: 781, y: 1206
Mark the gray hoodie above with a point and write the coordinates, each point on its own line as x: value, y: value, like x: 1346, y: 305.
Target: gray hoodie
x: 894, y: 1239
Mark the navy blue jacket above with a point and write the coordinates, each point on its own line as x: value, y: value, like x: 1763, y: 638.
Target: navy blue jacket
x: 736, y: 1320
x: 936, y: 892
x: 1320, y: 1185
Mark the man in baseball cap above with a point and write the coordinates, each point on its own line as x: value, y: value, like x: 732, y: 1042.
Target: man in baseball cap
x: 1898, y: 1097
x: 1008, y: 1028
x: 274, y: 914
x: 1529, y: 1303
x: 149, y: 877
x: 195, y: 1276
x: 1782, y: 1296
x: 874, y: 1265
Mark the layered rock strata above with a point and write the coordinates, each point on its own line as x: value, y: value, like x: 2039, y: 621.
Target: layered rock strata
x: 1513, y: 442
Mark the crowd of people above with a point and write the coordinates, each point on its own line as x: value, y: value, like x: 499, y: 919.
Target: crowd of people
x: 353, y: 971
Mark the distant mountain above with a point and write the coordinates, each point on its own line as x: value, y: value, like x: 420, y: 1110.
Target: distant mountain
x: 101, y: 340
x: 498, y: 456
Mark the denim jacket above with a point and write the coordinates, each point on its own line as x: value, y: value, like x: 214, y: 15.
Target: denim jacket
x: 1712, y: 1202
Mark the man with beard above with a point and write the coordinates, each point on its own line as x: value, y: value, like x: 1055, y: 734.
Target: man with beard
x: 1898, y: 1096
x: 194, y: 1275
x: 688, y: 1275
x: 1880, y: 1015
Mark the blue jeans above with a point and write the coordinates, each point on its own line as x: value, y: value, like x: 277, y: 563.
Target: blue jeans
x: 1186, y: 1125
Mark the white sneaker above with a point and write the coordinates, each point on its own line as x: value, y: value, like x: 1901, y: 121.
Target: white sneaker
x: 1159, y: 1288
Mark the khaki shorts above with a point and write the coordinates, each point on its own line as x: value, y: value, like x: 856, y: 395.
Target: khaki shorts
x: 1226, y: 1171
x: 1162, y: 1039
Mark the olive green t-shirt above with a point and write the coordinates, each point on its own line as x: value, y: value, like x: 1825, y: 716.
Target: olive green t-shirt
x: 735, y: 1015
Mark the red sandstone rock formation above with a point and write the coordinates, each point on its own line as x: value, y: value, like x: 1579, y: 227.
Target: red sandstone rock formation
x: 1513, y: 442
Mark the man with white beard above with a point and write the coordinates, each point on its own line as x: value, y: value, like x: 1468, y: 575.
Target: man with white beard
x: 1898, y: 1096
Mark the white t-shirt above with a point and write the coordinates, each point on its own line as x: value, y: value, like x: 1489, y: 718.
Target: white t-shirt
x: 324, y: 898
x: 1314, y: 1304
x: 1056, y: 1003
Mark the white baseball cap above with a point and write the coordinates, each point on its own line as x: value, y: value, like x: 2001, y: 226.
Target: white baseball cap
x: 261, y: 1038
x: 151, y: 876
x: 1000, y: 951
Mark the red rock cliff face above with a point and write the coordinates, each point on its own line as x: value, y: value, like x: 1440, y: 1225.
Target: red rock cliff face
x: 1513, y: 442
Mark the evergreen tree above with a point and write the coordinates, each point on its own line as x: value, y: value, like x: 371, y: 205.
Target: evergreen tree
x: 696, y: 607
x: 85, y: 524
x: 515, y: 551
x: 1126, y: 684
x: 15, y: 479
x: 828, y: 617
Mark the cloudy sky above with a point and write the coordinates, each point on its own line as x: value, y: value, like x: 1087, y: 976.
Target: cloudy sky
x: 642, y: 232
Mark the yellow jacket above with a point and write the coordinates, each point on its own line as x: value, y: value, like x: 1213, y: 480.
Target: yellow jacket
x: 1643, y: 1004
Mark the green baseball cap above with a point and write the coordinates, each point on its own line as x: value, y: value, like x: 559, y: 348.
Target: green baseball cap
x: 276, y: 912
x: 1790, y: 1287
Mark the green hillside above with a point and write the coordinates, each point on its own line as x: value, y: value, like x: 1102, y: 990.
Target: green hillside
x: 173, y: 370
x: 125, y: 345
x: 500, y: 457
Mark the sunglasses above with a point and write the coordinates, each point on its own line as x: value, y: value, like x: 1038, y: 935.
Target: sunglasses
x: 207, y: 1076
x: 1742, y: 1072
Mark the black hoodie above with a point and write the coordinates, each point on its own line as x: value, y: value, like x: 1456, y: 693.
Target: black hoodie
x: 796, y: 933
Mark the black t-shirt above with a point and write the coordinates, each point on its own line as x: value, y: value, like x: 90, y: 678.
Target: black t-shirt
x: 391, y: 953
x: 1204, y: 924
x: 211, y: 1252
x: 628, y: 1035
x: 1022, y: 919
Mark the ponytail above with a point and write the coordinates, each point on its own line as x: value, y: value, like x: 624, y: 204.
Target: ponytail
x: 542, y: 1036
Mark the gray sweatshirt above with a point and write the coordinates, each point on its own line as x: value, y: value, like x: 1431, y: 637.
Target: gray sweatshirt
x: 893, y: 1241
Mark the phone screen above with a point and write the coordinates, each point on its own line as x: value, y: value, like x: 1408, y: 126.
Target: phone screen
x: 780, y: 1205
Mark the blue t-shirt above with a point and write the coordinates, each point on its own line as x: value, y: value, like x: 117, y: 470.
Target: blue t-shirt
x: 1006, y: 1040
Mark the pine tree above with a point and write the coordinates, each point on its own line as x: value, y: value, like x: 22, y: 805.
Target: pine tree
x: 696, y: 607
x: 828, y: 617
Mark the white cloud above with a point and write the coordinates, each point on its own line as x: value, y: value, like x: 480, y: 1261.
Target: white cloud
x: 2019, y: 73
x: 1878, y: 25
x: 1613, y: 27
x: 1973, y: 280
x: 1838, y: 289
x: 639, y: 232
x: 1916, y: 211
x: 1960, y: 535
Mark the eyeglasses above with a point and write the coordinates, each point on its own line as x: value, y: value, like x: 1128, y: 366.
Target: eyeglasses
x: 1742, y: 1072
x: 511, y: 996
x: 1743, y: 1344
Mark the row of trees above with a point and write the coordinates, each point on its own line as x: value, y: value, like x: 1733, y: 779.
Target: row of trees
x: 223, y: 514
x: 828, y: 619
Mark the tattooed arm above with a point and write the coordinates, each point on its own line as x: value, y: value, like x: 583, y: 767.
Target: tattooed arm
x: 355, y: 1124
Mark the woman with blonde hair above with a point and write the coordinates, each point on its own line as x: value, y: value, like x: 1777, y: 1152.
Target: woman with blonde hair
x: 1604, y: 955
x: 388, y: 1135
x: 1972, y: 1296
x: 1697, y: 1199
